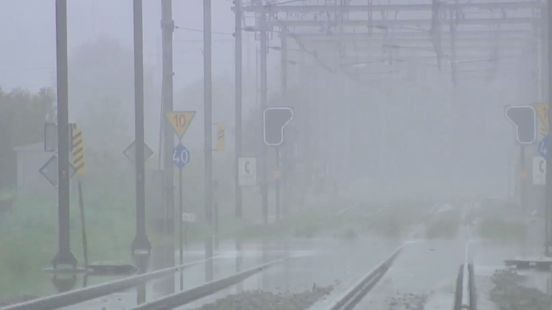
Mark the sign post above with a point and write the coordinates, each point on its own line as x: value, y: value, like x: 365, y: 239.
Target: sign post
x: 180, y: 121
x: 78, y: 159
x: 539, y: 170
x: 275, y: 121
x: 181, y: 157
x: 524, y: 119
x: 221, y: 138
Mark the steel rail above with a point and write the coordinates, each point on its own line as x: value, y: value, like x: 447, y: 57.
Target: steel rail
x: 85, y: 294
x: 198, y: 292
x: 466, y: 293
x: 352, y: 296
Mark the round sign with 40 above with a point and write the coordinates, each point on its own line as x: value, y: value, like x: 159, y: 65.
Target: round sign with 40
x: 181, y: 156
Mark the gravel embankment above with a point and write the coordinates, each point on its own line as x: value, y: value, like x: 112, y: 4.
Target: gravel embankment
x: 255, y: 300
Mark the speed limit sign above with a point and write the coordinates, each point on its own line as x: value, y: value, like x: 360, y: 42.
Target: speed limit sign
x: 181, y: 156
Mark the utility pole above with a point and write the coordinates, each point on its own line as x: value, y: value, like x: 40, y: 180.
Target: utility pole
x: 208, y: 131
x: 64, y: 258
x: 238, y: 83
x: 141, y: 247
x: 167, y: 250
x: 167, y: 28
x: 285, y: 154
x: 284, y: 62
x: 264, y: 104
x: 548, y: 198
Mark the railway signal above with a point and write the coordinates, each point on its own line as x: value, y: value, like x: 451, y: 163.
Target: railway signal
x: 525, y: 120
x: 275, y: 121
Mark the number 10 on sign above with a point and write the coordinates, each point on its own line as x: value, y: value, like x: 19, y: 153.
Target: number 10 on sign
x: 180, y: 121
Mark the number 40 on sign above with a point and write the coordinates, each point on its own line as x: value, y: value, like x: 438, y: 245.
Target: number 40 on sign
x: 181, y: 156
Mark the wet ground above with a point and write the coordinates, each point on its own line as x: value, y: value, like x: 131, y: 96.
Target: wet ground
x: 314, y: 264
x: 422, y: 277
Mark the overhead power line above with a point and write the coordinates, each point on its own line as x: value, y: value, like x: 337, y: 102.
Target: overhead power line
x: 201, y: 30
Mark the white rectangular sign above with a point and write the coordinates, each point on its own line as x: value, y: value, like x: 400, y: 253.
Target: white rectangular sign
x: 247, y: 167
x: 539, y: 170
x: 189, y: 217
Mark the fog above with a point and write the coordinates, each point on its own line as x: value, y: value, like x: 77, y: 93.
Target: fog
x: 397, y: 152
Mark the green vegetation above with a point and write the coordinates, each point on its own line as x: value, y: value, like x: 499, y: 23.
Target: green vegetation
x: 7, y: 198
x: 502, y: 230
x: 443, y: 225
x: 392, y: 221
x: 26, y: 247
x: 28, y: 233
x: 397, y: 219
x: 498, y: 221
x: 28, y: 241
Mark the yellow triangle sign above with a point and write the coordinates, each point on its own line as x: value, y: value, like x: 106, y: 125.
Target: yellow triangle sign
x: 180, y: 121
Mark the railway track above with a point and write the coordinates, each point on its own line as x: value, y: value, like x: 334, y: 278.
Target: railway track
x: 76, y: 297
x: 345, y: 297
x: 349, y: 298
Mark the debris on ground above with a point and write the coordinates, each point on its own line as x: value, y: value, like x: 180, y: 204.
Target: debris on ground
x: 407, y: 301
x: 510, y: 293
x: 254, y: 300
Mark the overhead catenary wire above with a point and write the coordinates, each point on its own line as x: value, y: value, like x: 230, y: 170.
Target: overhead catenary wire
x: 201, y: 30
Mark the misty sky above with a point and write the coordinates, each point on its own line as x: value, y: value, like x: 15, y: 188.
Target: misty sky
x: 27, y: 37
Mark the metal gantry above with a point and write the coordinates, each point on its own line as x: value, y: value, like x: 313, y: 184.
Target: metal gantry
x: 451, y: 32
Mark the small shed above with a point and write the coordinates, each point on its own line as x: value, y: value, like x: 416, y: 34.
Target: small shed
x: 30, y: 158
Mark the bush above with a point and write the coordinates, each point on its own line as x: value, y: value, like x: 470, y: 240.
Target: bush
x: 502, y: 230
x: 443, y: 226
